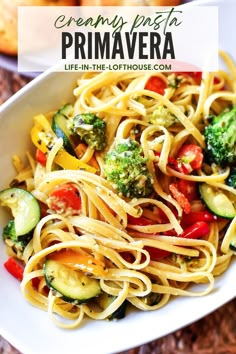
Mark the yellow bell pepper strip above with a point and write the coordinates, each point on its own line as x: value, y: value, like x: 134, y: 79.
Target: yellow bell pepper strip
x: 79, y: 261
x: 69, y: 162
x: 42, y: 135
x: 42, y: 121
x: 43, y: 138
x: 80, y: 150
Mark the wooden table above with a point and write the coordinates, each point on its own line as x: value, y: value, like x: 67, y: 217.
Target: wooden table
x: 214, y: 334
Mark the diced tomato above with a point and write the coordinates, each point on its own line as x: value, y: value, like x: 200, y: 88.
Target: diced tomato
x: 189, y: 158
x: 156, y: 84
x: 41, y: 157
x: 65, y: 198
x: 197, y: 230
x: 180, y: 198
x: 14, y: 268
x: 196, y: 216
x: 76, y: 260
x: 175, y: 164
x: 188, y: 188
x: 192, y: 155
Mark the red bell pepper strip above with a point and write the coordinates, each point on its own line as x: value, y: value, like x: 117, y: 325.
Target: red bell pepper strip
x: 180, y: 198
x: 197, y: 230
x: 196, y: 216
x: 141, y: 221
x: 156, y: 253
x: 188, y: 188
x: 41, y: 157
x: 14, y: 268
x: 156, y: 84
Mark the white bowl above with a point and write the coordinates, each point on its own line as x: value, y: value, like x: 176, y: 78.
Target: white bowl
x: 28, y: 328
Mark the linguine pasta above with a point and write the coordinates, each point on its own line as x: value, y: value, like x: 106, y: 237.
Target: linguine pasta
x: 150, y: 258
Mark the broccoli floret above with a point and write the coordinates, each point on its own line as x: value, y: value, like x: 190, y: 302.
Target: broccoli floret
x: 231, y: 180
x: 126, y: 167
x: 220, y: 136
x: 91, y: 129
x: 162, y: 116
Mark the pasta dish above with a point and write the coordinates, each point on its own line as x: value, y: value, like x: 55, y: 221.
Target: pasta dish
x: 128, y: 197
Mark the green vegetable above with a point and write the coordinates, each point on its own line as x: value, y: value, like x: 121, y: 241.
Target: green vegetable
x: 126, y: 167
x: 59, y: 126
x: 19, y: 243
x: 105, y: 300
x: 73, y: 285
x: 152, y: 299
x: 232, y: 245
x: 24, y: 208
x: 91, y: 129
x: 174, y: 81
x: 162, y: 116
x: 220, y: 136
x: 231, y: 180
x: 217, y: 201
x: 9, y: 231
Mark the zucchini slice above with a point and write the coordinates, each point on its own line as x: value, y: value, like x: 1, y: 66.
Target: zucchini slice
x: 59, y: 126
x: 105, y: 300
x: 152, y: 299
x: 73, y: 285
x: 217, y: 201
x: 24, y: 207
x: 232, y: 245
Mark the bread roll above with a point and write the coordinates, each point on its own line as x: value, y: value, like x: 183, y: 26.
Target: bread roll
x: 130, y: 2
x: 8, y: 20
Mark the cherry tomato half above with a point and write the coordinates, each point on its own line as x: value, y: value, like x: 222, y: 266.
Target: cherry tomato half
x: 191, y: 154
x: 65, y: 198
x: 156, y: 84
